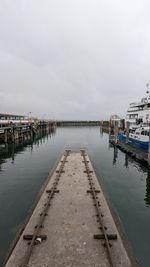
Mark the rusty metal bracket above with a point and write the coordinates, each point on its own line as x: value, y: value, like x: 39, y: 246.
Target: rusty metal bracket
x: 58, y: 171
x: 109, y: 236
x: 90, y: 191
x: 55, y: 191
x: 29, y: 237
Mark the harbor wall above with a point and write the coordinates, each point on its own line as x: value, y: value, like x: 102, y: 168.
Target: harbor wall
x: 78, y: 123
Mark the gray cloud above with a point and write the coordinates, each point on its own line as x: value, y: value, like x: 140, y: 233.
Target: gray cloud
x: 73, y: 59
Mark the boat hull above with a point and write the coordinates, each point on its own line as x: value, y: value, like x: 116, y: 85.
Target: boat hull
x: 136, y: 143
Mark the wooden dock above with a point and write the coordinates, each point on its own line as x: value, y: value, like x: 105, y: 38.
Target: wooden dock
x: 72, y: 223
x: 13, y: 133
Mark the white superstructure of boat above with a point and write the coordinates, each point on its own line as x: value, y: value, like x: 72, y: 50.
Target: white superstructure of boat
x: 138, y: 113
x: 137, y: 122
x: 8, y: 119
x: 138, y: 138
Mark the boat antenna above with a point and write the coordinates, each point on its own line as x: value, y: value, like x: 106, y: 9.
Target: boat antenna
x: 147, y: 85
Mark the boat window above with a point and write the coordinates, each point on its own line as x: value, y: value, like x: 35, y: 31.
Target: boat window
x: 147, y: 133
x: 131, y: 131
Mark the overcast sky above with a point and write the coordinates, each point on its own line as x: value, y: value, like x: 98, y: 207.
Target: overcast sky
x: 73, y: 59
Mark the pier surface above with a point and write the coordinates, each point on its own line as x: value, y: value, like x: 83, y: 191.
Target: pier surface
x: 73, y: 216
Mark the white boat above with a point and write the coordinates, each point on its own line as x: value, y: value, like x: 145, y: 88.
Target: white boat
x: 8, y: 119
x: 138, y: 137
x: 138, y: 113
x: 138, y: 117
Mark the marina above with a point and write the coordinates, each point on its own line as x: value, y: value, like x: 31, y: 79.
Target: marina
x: 74, y: 133
x: 109, y: 163
x: 72, y: 223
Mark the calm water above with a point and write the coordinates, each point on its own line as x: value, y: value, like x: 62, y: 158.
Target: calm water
x: 23, y: 169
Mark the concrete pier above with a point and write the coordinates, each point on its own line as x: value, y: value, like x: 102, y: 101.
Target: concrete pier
x: 72, y: 232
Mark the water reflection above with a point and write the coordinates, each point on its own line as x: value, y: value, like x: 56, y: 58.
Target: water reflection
x: 147, y: 194
x: 101, y: 131
x: 115, y: 155
x: 9, y: 151
x: 139, y: 166
x: 115, y: 152
x: 126, y: 164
